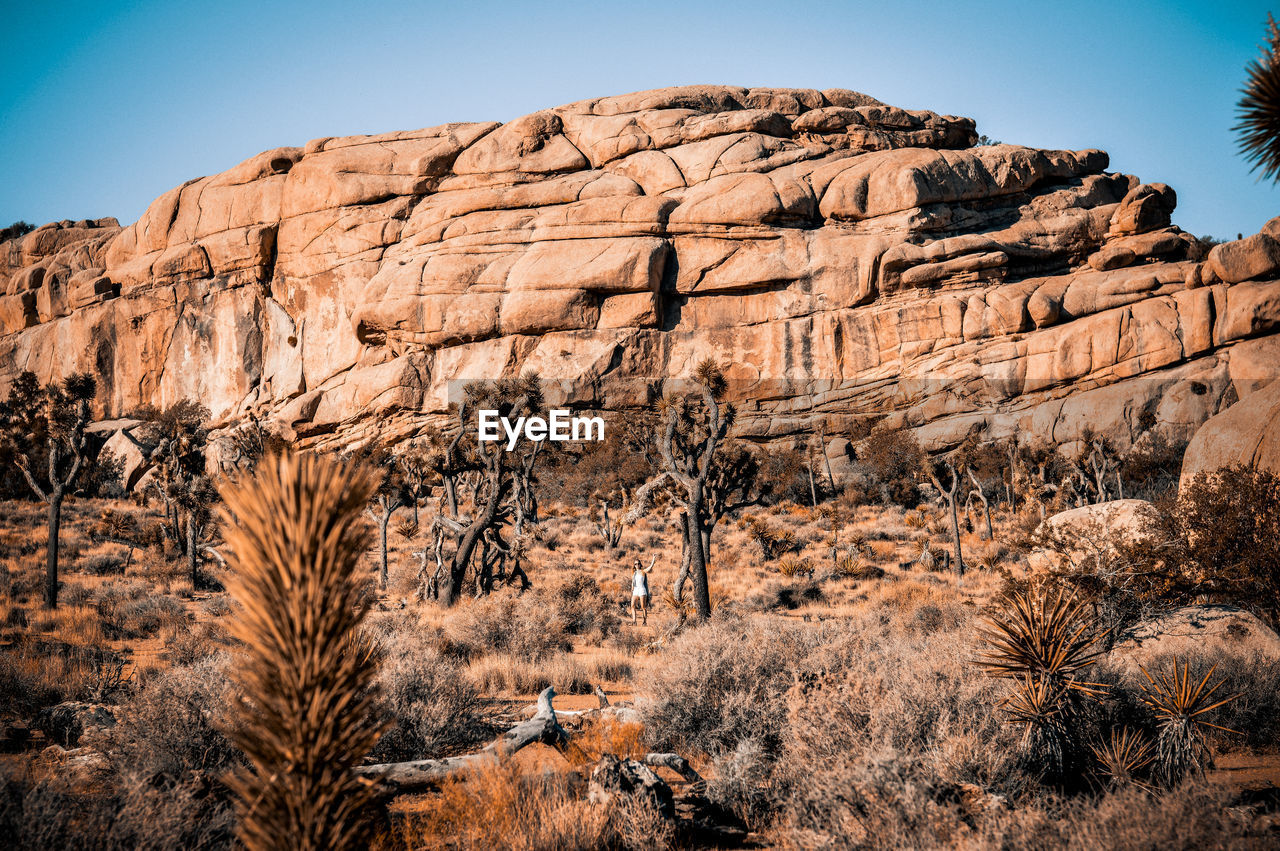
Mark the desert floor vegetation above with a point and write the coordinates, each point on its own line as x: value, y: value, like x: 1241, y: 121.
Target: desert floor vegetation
x: 850, y: 690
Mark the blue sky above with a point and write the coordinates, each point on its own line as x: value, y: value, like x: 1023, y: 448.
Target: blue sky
x: 106, y: 106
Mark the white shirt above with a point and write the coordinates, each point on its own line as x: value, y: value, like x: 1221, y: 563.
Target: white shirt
x: 639, y: 584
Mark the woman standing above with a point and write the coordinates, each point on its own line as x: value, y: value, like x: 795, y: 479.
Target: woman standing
x: 640, y: 590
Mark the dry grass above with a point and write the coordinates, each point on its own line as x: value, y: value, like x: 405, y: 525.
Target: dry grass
x: 502, y: 807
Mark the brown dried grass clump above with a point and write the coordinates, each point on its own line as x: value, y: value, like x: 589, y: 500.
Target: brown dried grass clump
x: 296, y: 536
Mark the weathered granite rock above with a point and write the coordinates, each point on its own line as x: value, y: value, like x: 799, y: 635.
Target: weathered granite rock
x: 1204, y: 631
x: 847, y: 257
x: 1246, y: 434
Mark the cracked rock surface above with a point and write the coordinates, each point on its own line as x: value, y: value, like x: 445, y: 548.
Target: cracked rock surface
x: 847, y: 258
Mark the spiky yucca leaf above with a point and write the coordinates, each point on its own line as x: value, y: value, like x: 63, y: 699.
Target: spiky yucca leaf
x: 1258, y: 110
x: 1044, y: 711
x: 1045, y: 636
x: 1179, y: 703
x: 1122, y: 757
x: 296, y: 534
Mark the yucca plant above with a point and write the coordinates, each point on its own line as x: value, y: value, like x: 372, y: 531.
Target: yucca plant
x: 1123, y: 757
x: 791, y: 567
x: 1180, y: 703
x: 1046, y: 635
x: 1259, y: 108
x: 1045, y: 641
x: 296, y: 534
x: 1043, y: 710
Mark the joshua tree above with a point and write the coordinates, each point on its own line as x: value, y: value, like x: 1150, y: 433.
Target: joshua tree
x: 981, y: 494
x: 938, y: 471
x: 1259, y: 108
x: 609, y: 528
x: 173, y: 443
x: 296, y: 538
x: 391, y: 494
x: 693, y: 426
x: 500, y: 485
x: 60, y: 427
x: 419, y: 473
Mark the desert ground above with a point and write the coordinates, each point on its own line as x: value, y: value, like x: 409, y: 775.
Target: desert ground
x: 836, y: 697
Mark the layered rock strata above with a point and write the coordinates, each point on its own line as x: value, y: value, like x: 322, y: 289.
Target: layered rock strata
x: 848, y: 260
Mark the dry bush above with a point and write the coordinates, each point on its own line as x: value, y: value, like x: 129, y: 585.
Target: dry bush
x: 584, y: 607
x: 133, y: 610
x: 103, y: 564
x: 500, y: 807
x: 35, y: 675
x: 522, y: 626
x: 1189, y: 817
x: 774, y: 595
x: 792, y: 714
x: 1220, y: 538
x: 174, y: 724
x: 136, y: 814
x: 201, y: 641
x: 431, y: 707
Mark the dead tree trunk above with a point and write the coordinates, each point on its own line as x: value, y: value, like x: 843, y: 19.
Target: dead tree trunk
x: 949, y: 494
x: 986, y: 505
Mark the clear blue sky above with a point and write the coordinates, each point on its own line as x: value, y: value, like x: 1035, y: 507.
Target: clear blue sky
x: 105, y: 106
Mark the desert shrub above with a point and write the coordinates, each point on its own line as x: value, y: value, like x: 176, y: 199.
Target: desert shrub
x: 1220, y: 538
x: 785, y: 474
x: 784, y: 595
x: 723, y: 685
x: 1191, y: 816
x: 1256, y: 710
x: 883, y: 805
x: 102, y: 478
x: 791, y: 716
x: 103, y: 564
x: 522, y: 626
x: 193, y: 813
x: 614, y: 465
x: 583, y: 607
x: 202, y: 641
x: 888, y: 462
x: 430, y: 705
x: 1150, y: 470
x: 130, y: 611
x: 174, y: 724
x: 29, y: 681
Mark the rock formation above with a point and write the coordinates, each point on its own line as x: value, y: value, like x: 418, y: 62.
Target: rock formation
x: 849, y: 259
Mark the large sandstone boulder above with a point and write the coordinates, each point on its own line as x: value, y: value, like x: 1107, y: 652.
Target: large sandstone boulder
x: 1213, y: 632
x: 848, y: 258
x: 1089, y: 536
x: 1247, y: 434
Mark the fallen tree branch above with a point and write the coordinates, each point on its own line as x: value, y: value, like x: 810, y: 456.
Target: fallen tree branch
x: 422, y: 773
x: 543, y: 727
x: 679, y: 765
